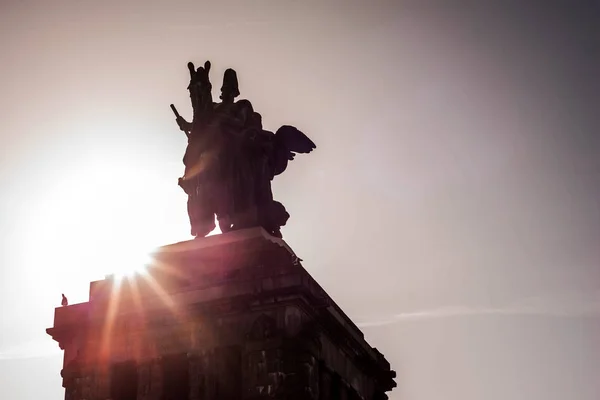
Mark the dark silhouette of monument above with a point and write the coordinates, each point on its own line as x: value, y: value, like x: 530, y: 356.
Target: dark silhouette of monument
x: 230, y: 159
x: 230, y: 316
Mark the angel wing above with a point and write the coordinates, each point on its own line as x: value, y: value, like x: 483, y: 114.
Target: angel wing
x: 288, y: 141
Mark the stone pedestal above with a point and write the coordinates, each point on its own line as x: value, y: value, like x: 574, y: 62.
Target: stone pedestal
x: 232, y: 316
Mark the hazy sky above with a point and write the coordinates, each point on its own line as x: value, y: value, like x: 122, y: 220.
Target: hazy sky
x: 452, y: 207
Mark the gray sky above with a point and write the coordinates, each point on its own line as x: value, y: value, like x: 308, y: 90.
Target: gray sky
x: 452, y: 207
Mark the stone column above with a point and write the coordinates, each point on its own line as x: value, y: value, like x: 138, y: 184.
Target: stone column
x: 102, y: 383
x: 196, y: 369
x: 156, y: 384
x: 144, y: 380
x: 324, y: 383
x: 300, y: 369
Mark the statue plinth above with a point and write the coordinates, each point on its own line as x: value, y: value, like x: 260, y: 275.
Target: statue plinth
x: 232, y: 316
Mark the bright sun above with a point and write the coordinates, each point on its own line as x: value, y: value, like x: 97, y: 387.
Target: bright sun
x: 131, y: 263
x: 101, y: 220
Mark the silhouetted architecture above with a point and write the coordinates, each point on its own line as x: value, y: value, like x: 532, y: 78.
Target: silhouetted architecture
x: 231, y: 316
x: 230, y: 159
x: 227, y: 317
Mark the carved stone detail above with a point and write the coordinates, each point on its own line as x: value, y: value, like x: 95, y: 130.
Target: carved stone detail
x: 268, y: 332
x: 264, y: 327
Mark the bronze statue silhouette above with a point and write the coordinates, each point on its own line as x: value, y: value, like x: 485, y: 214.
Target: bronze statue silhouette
x: 230, y: 159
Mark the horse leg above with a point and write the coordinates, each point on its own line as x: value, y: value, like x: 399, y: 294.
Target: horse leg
x: 201, y: 212
x: 224, y: 223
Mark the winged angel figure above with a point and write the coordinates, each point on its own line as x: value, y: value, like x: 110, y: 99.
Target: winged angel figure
x: 231, y: 160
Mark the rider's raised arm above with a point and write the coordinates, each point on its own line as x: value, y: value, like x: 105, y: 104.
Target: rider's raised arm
x: 185, y: 126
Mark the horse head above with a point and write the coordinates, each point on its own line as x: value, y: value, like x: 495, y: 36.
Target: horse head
x: 200, y: 89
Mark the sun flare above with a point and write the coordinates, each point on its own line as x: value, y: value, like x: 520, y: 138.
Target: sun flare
x: 98, y: 221
x: 131, y: 264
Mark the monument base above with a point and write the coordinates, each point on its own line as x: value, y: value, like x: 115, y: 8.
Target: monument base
x: 231, y: 316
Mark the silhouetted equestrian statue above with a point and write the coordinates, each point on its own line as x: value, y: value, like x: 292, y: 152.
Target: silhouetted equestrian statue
x: 230, y: 159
